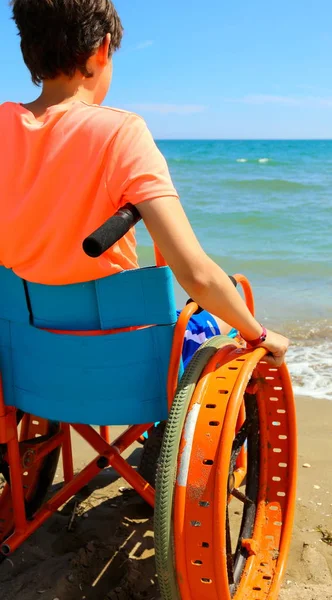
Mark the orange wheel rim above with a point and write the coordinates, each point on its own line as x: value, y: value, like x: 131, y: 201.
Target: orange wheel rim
x: 202, y: 497
x: 194, y: 482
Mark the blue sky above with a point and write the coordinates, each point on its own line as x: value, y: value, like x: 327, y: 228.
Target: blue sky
x: 215, y: 69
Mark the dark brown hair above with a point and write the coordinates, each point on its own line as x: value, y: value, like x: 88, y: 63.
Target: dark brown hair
x: 59, y: 36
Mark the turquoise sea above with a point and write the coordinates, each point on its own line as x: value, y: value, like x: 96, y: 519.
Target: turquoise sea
x: 264, y: 208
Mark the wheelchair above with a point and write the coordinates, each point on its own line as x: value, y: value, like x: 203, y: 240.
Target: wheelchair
x: 108, y: 352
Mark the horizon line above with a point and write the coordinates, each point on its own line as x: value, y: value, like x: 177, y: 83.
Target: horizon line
x: 198, y: 139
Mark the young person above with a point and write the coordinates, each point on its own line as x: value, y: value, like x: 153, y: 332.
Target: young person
x: 67, y: 164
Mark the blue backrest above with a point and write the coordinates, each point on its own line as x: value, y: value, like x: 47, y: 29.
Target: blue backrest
x: 107, y: 379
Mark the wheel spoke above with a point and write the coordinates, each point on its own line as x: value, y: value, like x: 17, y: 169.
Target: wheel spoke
x: 229, y: 553
x: 242, y: 497
x: 241, y: 436
x: 249, y: 433
x: 239, y: 440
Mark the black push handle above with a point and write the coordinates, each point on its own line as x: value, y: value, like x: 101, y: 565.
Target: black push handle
x: 111, y: 231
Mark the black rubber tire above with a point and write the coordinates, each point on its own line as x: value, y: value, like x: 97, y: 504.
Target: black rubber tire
x: 151, y: 453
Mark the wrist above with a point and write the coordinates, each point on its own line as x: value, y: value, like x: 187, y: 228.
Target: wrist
x: 253, y: 342
x: 251, y: 331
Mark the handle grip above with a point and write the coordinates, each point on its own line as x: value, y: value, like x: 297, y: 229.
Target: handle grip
x: 111, y: 231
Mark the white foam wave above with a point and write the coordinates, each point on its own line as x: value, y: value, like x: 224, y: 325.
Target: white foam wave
x: 242, y: 160
x: 311, y: 370
x: 263, y: 160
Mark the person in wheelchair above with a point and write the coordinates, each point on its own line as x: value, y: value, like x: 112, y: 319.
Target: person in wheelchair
x: 67, y: 164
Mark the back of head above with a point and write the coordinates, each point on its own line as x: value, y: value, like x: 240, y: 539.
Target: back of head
x: 59, y: 36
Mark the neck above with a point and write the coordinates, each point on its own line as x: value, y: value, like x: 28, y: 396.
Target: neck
x: 64, y: 90
x: 61, y: 91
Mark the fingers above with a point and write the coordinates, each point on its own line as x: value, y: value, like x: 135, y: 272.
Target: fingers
x: 277, y: 346
x: 274, y: 361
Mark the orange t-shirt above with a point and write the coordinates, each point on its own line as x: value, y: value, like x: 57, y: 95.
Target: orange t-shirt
x: 62, y: 178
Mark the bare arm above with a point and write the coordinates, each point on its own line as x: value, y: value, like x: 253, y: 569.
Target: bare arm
x: 202, y: 278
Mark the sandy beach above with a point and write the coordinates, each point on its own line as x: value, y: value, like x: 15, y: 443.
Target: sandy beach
x: 108, y: 554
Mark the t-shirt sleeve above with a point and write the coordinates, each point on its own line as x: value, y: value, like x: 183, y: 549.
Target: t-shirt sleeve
x: 137, y: 171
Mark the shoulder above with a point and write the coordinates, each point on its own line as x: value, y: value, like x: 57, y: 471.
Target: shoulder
x: 111, y: 122
x: 9, y: 107
x: 105, y: 123
x: 110, y: 113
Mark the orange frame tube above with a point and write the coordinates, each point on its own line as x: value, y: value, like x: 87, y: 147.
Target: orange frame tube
x: 247, y: 290
x: 67, y: 454
x: 110, y: 453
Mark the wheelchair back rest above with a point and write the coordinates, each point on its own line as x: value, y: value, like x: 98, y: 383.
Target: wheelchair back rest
x: 117, y: 378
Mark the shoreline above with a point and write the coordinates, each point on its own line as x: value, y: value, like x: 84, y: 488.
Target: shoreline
x: 109, y: 554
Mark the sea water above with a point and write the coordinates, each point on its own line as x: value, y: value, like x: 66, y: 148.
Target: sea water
x: 264, y: 208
